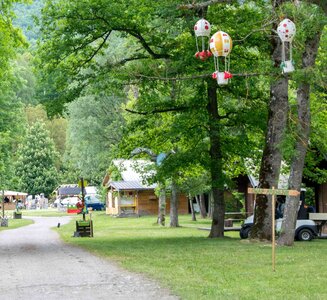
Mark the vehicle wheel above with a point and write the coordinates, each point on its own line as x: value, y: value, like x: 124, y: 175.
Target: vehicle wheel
x: 305, y: 235
x: 245, y: 232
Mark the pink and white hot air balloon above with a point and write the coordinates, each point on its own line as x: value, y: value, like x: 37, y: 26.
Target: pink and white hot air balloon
x: 286, y: 31
x: 202, y: 30
x: 221, y: 45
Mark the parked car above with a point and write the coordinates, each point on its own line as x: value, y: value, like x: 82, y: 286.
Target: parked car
x: 69, y: 201
x: 93, y: 202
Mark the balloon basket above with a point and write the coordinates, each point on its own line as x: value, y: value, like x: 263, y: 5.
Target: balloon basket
x: 221, y: 78
x: 287, y: 67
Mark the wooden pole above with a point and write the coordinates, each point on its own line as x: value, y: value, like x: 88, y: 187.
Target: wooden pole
x: 91, y: 225
x: 273, y: 231
x: 83, y: 198
x: 3, y: 204
x: 273, y: 192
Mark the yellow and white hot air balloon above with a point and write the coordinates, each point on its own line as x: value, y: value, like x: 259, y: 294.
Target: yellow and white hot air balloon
x: 221, y: 45
x: 202, y: 30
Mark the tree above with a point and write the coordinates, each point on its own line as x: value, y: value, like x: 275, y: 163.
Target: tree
x: 36, y: 162
x: 160, y: 44
x: 309, y: 55
x: 277, y: 124
x: 25, y: 79
x: 57, y: 126
x: 10, y: 113
x: 11, y: 130
x: 95, y: 125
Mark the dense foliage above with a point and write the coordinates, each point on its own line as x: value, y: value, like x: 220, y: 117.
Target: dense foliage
x: 123, y: 75
x: 36, y: 164
x: 10, y: 129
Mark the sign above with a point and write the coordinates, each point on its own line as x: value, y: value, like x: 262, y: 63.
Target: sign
x: 80, y: 183
x: 273, y: 192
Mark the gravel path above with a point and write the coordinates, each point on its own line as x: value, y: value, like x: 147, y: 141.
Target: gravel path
x: 36, y: 265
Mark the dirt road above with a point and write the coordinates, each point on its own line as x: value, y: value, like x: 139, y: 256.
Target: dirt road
x: 36, y: 265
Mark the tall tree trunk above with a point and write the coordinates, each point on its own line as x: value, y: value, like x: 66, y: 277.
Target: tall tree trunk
x: 272, y: 156
x: 303, y: 99
x: 217, y: 183
x: 197, y: 202
x: 203, y: 211
x: 210, y: 204
x: 162, y: 206
x: 174, y: 205
x: 190, y: 199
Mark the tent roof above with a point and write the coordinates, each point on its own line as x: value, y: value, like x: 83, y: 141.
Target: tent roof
x: 14, y: 193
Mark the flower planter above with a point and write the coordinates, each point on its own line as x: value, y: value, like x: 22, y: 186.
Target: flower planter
x: 84, y: 228
x: 17, y: 215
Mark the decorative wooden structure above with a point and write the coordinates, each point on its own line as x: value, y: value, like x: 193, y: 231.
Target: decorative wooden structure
x: 131, y: 196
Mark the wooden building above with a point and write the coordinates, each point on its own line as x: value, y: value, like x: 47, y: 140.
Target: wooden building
x: 321, y: 198
x: 133, y: 195
x: 10, y: 199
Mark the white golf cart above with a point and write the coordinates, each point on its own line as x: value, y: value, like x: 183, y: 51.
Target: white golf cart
x: 305, y: 230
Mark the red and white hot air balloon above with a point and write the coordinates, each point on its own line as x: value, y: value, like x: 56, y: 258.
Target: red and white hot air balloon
x: 202, y: 30
x: 286, y: 31
x: 221, y: 45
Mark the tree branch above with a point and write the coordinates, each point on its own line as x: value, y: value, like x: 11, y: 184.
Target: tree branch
x: 171, y: 109
x: 197, y: 76
x: 97, y: 50
x: 198, y: 6
x: 321, y: 3
x: 145, y: 45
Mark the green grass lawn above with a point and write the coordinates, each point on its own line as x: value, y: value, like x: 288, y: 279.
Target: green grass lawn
x: 50, y: 212
x: 15, y: 223
x: 195, y: 267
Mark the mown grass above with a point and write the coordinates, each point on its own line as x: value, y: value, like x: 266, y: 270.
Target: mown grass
x: 50, y: 212
x: 16, y: 223
x: 195, y: 267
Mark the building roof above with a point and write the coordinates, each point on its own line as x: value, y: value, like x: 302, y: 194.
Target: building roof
x: 130, y: 185
x: 253, y: 174
x: 68, y: 189
x: 134, y: 174
x: 14, y: 193
x: 282, y: 183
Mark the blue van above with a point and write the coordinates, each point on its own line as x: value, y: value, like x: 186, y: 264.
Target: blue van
x: 93, y: 202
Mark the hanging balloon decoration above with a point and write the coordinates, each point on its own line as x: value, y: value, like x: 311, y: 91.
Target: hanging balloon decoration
x: 220, y: 46
x: 286, y: 31
x: 202, y: 30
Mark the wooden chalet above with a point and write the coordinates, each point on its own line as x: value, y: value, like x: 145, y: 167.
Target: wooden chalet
x: 133, y: 195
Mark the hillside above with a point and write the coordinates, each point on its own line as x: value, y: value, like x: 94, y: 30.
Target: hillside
x: 25, y: 16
